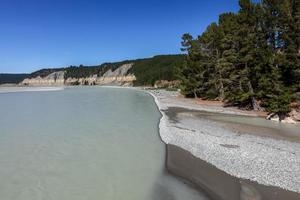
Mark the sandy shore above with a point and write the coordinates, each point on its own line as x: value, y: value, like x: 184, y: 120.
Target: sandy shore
x: 255, y: 155
x: 13, y: 88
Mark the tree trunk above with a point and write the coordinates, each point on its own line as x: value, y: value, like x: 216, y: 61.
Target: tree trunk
x: 255, y: 104
x: 222, y: 93
x: 195, y: 94
x: 221, y: 85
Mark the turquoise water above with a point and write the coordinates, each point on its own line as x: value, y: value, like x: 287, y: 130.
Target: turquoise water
x: 84, y: 143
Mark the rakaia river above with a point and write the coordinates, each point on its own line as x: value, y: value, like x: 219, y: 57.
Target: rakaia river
x: 85, y: 143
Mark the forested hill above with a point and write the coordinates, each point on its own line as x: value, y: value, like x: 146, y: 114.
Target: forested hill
x: 150, y: 70
x: 147, y: 70
x: 250, y: 58
x: 12, y: 78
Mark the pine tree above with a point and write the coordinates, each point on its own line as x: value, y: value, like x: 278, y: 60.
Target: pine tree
x: 245, y: 94
x: 250, y: 59
x: 278, y: 17
x: 190, y: 73
x: 228, y: 49
x: 211, y: 41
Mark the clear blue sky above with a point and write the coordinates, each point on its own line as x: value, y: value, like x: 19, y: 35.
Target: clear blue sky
x: 53, y: 33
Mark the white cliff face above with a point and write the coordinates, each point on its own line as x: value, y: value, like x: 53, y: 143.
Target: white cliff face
x: 116, y: 80
x: 82, y: 81
x: 56, y: 78
x: 118, y: 77
x: 121, y: 71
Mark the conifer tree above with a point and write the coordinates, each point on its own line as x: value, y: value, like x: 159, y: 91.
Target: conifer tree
x: 250, y: 59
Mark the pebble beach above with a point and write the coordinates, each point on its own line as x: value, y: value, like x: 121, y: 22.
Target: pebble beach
x: 265, y: 160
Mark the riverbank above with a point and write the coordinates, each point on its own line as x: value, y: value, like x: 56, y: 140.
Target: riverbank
x: 85, y: 143
x: 263, y: 163
x: 230, y: 153
x: 17, y: 88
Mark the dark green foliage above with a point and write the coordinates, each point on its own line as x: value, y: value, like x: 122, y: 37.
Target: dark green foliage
x: 81, y: 71
x: 279, y: 103
x: 87, y: 71
x: 147, y: 71
x: 44, y: 72
x: 12, y: 78
x: 250, y: 59
x: 150, y: 70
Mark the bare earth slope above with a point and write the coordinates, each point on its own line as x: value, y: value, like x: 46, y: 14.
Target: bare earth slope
x: 116, y: 77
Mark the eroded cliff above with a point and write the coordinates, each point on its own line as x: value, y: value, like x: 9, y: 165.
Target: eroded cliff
x: 119, y: 76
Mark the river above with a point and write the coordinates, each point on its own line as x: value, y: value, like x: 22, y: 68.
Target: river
x: 84, y: 143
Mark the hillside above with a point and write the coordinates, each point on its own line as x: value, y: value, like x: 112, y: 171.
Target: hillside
x: 150, y: 70
x: 146, y: 71
x: 12, y: 78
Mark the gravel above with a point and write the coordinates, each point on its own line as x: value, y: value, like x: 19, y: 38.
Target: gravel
x: 265, y: 160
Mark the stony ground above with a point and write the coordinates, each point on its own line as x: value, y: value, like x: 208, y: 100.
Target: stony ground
x: 266, y: 160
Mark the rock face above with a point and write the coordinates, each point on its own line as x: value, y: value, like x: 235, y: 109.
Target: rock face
x: 81, y: 81
x: 118, y: 77
x: 121, y: 71
x: 56, y: 78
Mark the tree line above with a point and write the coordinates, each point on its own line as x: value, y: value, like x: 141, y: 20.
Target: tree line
x: 146, y: 70
x: 250, y: 59
x: 161, y: 67
x: 12, y: 78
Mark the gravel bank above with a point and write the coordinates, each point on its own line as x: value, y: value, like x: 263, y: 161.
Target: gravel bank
x: 10, y: 89
x: 265, y: 160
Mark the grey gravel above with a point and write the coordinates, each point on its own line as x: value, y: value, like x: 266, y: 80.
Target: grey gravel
x: 265, y: 160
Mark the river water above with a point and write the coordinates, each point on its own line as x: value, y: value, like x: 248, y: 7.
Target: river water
x: 84, y: 143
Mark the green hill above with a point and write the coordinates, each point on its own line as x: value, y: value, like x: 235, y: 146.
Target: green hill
x: 147, y: 70
x: 12, y: 78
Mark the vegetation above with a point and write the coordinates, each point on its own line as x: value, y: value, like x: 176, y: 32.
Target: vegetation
x: 44, y: 72
x: 81, y: 71
x: 147, y: 71
x: 87, y: 71
x: 12, y: 78
x: 150, y: 70
x: 250, y: 58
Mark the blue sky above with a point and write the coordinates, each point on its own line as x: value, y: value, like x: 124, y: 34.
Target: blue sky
x: 36, y: 34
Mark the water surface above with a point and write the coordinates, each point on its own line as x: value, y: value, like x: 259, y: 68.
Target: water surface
x: 84, y: 143
x: 243, y: 124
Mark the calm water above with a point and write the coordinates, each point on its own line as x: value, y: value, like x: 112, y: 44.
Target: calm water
x: 84, y: 143
x: 258, y: 125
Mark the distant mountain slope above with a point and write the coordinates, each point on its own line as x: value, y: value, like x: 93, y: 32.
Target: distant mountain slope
x: 12, y: 78
x: 147, y: 71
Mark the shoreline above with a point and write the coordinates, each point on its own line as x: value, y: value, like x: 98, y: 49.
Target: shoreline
x: 14, y: 89
x: 239, y: 124
x: 268, y: 165
x: 208, y: 103
x: 258, y: 167
x: 217, y: 184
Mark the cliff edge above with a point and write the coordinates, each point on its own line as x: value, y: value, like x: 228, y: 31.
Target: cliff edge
x: 118, y: 77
